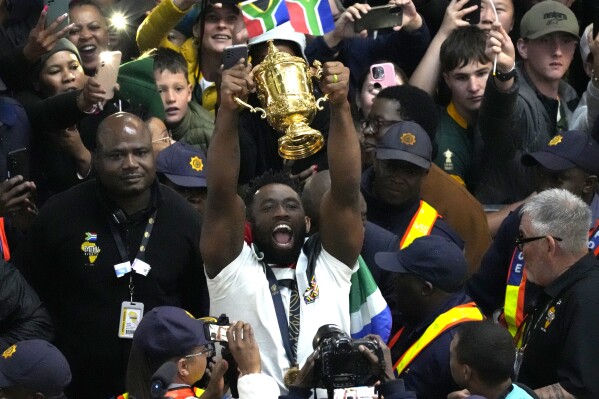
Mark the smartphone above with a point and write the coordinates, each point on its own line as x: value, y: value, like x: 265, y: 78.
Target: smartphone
x: 18, y: 163
x: 473, y: 17
x: 108, y: 71
x: 382, y: 75
x: 379, y: 17
x: 216, y: 332
x: 56, y: 8
x: 232, y: 55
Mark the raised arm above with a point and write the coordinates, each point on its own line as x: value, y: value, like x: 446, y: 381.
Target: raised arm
x: 341, y: 226
x: 161, y: 20
x: 224, y: 214
x: 426, y: 75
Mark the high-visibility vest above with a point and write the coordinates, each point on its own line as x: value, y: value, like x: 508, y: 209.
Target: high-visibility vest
x: 443, y: 322
x: 421, y: 225
x: 4, y: 242
x: 180, y: 393
x: 177, y: 393
x: 515, y: 289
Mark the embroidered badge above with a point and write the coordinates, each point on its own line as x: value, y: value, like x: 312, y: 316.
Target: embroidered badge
x: 554, y: 17
x: 89, y: 247
x: 408, y: 139
x: 448, y: 165
x: 9, y: 351
x: 196, y: 163
x: 556, y: 140
x: 311, y: 292
x: 549, y: 317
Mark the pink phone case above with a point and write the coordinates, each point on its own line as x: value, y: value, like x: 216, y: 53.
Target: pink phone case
x: 383, y: 74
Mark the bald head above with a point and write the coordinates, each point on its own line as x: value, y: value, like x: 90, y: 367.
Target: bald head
x: 125, y: 161
x: 314, y: 189
x: 121, y: 124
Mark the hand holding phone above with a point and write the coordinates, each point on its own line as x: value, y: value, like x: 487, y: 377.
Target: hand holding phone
x: 386, y: 16
x: 108, y: 71
x: 382, y: 75
x: 56, y: 8
x: 18, y: 164
x: 232, y: 55
x: 473, y: 17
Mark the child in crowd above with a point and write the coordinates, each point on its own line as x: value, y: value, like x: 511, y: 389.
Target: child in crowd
x: 186, y: 120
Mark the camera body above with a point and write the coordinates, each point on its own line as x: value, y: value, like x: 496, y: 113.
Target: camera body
x: 338, y: 363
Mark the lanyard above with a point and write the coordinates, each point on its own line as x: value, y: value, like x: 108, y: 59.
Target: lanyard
x: 287, y: 333
x: 123, y: 251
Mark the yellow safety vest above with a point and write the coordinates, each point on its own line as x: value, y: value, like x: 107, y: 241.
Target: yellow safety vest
x: 454, y: 316
x: 421, y: 225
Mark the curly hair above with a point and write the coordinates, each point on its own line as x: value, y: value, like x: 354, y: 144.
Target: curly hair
x: 268, y: 177
x: 414, y: 105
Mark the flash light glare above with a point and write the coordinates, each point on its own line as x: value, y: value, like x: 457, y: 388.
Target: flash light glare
x: 119, y: 21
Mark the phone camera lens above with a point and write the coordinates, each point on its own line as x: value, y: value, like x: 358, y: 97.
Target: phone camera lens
x: 378, y: 73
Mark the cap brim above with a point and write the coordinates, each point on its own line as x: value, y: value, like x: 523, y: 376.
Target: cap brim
x: 388, y: 153
x: 547, y: 160
x: 187, y: 181
x: 550, y: 30
x: 389, y: 261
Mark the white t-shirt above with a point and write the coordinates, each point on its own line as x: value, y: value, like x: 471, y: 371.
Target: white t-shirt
x: 241, y: 291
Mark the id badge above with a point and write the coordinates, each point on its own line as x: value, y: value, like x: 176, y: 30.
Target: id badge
x: 131, y: 314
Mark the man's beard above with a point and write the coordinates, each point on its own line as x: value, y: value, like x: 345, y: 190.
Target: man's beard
x: 273, y: 255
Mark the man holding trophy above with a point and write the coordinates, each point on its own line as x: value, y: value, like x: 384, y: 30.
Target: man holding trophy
x: 285, y: 286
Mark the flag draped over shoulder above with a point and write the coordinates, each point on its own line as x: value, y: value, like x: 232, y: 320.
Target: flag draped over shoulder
x: 312, y: 17
x: 369, y: 312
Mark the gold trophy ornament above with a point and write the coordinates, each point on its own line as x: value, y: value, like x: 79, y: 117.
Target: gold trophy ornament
x: 285, y: 91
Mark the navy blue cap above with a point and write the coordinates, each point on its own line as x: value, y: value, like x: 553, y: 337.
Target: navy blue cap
x: 433, y: 258
x: 406, y: 141
x: 168, y: 331
x: 37, y: 365
x: 183, y: 164
x: 567, y: 150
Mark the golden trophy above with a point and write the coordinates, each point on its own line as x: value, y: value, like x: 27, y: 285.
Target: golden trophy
x: 284, y: 87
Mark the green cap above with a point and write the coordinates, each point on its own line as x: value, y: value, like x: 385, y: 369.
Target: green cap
x: 547, y: 17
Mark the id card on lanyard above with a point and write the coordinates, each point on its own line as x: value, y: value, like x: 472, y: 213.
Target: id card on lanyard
x: 131, y: 311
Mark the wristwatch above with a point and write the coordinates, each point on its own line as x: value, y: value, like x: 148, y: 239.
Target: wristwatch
x: 505, y: 76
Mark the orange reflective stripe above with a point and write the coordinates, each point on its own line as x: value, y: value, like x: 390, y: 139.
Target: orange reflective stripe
x: 421, y: 225
x: 5, y: 249
x: 454, y: 316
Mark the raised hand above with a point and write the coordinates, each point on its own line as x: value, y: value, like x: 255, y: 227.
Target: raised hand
x: 42, y: 39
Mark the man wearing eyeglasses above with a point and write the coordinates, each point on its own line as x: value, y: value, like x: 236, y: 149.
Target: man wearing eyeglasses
x: 569, y: 161
x: 559, y: 352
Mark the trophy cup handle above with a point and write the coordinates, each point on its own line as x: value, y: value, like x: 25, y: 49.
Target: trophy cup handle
x: 321, y: 99
x: 252, y: 109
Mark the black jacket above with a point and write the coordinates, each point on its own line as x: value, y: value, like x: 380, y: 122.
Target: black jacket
x: 22, y: 315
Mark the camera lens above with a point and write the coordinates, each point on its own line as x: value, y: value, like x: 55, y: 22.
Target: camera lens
x: 378, y: 73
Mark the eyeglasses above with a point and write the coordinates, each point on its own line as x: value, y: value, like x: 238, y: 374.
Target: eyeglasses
x: 520, y: 241
x: 208, y: 351
x: 166, y: 137
x: 375, y: 125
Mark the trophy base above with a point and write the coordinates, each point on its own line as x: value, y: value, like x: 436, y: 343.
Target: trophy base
x: 300, y: 141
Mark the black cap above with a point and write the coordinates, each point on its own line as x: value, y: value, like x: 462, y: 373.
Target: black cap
x: 567, y: 150
x: 406, y: 141
x: 183, y: 164
x: 433, y: 258
x: 36, y: 365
